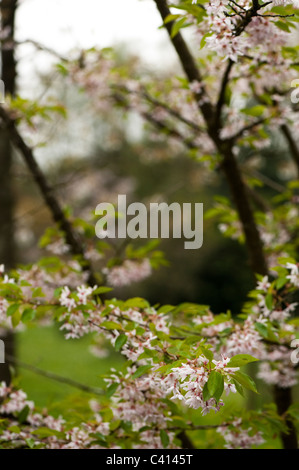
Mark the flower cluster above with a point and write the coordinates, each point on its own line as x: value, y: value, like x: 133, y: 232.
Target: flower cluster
x: 129, y: 272
x: 294, y: 274
x: 27, y: 426
x: 187, y: 382
x: 238, y: 438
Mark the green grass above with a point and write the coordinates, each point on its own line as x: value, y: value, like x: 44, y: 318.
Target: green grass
x: 47, y: 349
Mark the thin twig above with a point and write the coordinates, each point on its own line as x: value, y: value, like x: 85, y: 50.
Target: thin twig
x: 53, y: 376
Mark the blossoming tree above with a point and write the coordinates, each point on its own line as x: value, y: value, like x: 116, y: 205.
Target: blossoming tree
x: 235, y: 94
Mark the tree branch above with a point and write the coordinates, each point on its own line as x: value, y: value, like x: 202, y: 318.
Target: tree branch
x: 172, y: 112
x: 249, y: 127
x: 188, y: 63
x: 159, y: 124
x: 52, y: 376
x: 221, y: 98
x: 71, y: 237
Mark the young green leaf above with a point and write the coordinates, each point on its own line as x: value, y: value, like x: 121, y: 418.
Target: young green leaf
x: 111, y: 389
x: 120, y: 342
x: 164, y: 438
x: 141, y: 370
x: 215, y: 385
x: 245, y: 381
x: 241, y: 360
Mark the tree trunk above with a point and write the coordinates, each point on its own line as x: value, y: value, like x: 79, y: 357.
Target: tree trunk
x: 7, y: 240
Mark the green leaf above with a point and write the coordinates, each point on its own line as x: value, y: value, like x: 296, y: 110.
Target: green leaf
x: 269, y: 301
x: 215, y: 385
x: 30, y: 442
x: 262, y: 329
x: 165, y: 309
x: 177, y: 25
x: 266, y: 332
x: 15, y: 429
x: 239, y: 387
x: 28, y: 315
x: 206, y: 352
x: 62, y: 69
x: 166, y: 369
x: 171, y: 17
x: 205, y: 392
x: 127, y: 426
x: 141, y: 370
x: 22, y: 416
x: 16, y: 318
x: 120, y: 342
x: 111, y: 389
x: 37, y: 292
x: 283, y: 26
x: 164, y: 438
x: 101, y: 439
x: 241, y: 360
x: 102, y: 290
x: 57, y: 292
x: 293, y: 411
x: 12, y: 309
x: 281, y: 281
x: 148, y: 353
x: 256, y: 111
x: 111, y: 325
x: 136, y: 302
x: 244, y: 380
x: 47, y: 432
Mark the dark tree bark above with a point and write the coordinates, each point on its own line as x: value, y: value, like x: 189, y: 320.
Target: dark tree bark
x: 7, y: 239
x: 283, y: 400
